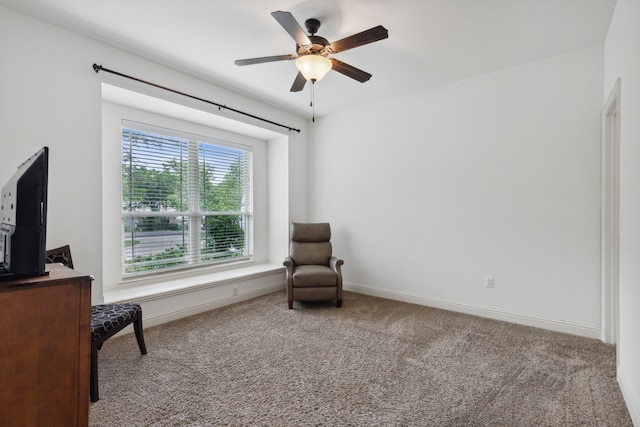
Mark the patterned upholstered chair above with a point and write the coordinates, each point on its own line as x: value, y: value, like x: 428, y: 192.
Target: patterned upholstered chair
x: 313, y: 273
x: 61, y: 255
x: 106, y: 320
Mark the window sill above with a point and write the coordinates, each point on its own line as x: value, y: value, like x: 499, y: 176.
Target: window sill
x: 161, y: 287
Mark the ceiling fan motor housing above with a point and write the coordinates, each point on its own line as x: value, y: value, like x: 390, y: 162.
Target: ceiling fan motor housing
x: 319, y: 46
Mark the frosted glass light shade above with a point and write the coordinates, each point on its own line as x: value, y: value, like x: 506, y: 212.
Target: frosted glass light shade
x: 313, y: 67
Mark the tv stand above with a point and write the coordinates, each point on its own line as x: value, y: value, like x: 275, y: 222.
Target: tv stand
x: 45, y: 347
x: 6, y: 277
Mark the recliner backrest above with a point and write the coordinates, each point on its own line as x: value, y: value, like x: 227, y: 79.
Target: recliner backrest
x: 310, y: 243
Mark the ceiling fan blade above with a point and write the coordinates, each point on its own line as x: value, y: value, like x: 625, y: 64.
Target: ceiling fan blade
x: 298, y: 83
x: 292, y: 27
x: 263, y: 59
x: 350, y: 71
x: 368, y: 36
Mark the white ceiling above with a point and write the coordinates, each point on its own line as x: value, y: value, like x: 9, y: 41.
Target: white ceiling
x: 431, y: 42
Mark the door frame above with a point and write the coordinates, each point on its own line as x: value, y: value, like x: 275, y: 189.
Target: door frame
x: 610, y: 220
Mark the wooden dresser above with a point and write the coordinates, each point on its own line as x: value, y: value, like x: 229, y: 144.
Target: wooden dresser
x: 45, y: 346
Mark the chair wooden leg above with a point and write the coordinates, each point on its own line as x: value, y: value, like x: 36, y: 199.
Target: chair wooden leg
x: 339, y: 303
x: 137, y: 327
x: 93, y: 380
x: 290, y: 304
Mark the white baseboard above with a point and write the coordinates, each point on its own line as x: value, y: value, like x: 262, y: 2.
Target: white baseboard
x: 488, y: 312
x: 211, y: 304
x: 476, y: 310
x: 631, y: 401
x: 202, y: 306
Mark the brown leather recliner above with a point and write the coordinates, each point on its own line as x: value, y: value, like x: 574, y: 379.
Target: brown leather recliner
x: 313, y: 273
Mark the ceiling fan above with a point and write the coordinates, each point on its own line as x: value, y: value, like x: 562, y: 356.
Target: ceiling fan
x: 312, y: 51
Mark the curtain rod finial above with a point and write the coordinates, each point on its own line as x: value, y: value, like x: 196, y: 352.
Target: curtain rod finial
x: 97, y: 67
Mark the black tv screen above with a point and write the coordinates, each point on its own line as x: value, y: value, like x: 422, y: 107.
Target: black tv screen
x: 23, y: 219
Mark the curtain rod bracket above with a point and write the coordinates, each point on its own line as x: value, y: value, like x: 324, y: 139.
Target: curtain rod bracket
x: 98, y: 68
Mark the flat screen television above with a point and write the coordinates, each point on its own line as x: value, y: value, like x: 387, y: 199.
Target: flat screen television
x: 23, y: 219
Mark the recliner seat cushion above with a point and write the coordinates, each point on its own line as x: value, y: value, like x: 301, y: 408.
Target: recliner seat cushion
x: 309, y: 276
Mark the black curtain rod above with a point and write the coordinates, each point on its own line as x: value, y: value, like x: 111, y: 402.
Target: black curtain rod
x: 98, y: 68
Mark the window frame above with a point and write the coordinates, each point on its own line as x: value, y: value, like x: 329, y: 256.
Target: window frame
x: 189, y: 144
x: 113, y: 113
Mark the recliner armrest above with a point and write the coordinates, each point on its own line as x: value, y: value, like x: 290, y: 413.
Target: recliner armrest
x: 335, y: 263
x: 288, y: 262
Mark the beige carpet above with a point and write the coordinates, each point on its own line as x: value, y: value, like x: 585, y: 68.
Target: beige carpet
x: 373, y: 362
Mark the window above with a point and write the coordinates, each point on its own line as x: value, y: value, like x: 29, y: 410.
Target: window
x: 186, y: 200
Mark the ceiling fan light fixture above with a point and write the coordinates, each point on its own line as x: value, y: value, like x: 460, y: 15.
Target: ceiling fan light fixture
x: 313, y: 67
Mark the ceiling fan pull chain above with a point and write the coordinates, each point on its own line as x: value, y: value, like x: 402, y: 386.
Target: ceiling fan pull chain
x: 311, y: 93
x: 311, y: 104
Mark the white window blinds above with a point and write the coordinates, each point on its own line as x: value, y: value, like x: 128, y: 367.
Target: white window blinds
x: 186, y: 200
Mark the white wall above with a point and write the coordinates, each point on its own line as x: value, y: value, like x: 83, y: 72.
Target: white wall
x: 622, y: 60
x: 427, y: 193
x: 50, y: 95
x: 498, y: 175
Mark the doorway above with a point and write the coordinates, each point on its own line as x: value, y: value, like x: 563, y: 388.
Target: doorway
x: 610, y: 234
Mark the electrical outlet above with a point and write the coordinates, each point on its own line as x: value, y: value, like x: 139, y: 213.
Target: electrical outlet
x: 488, y: 281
